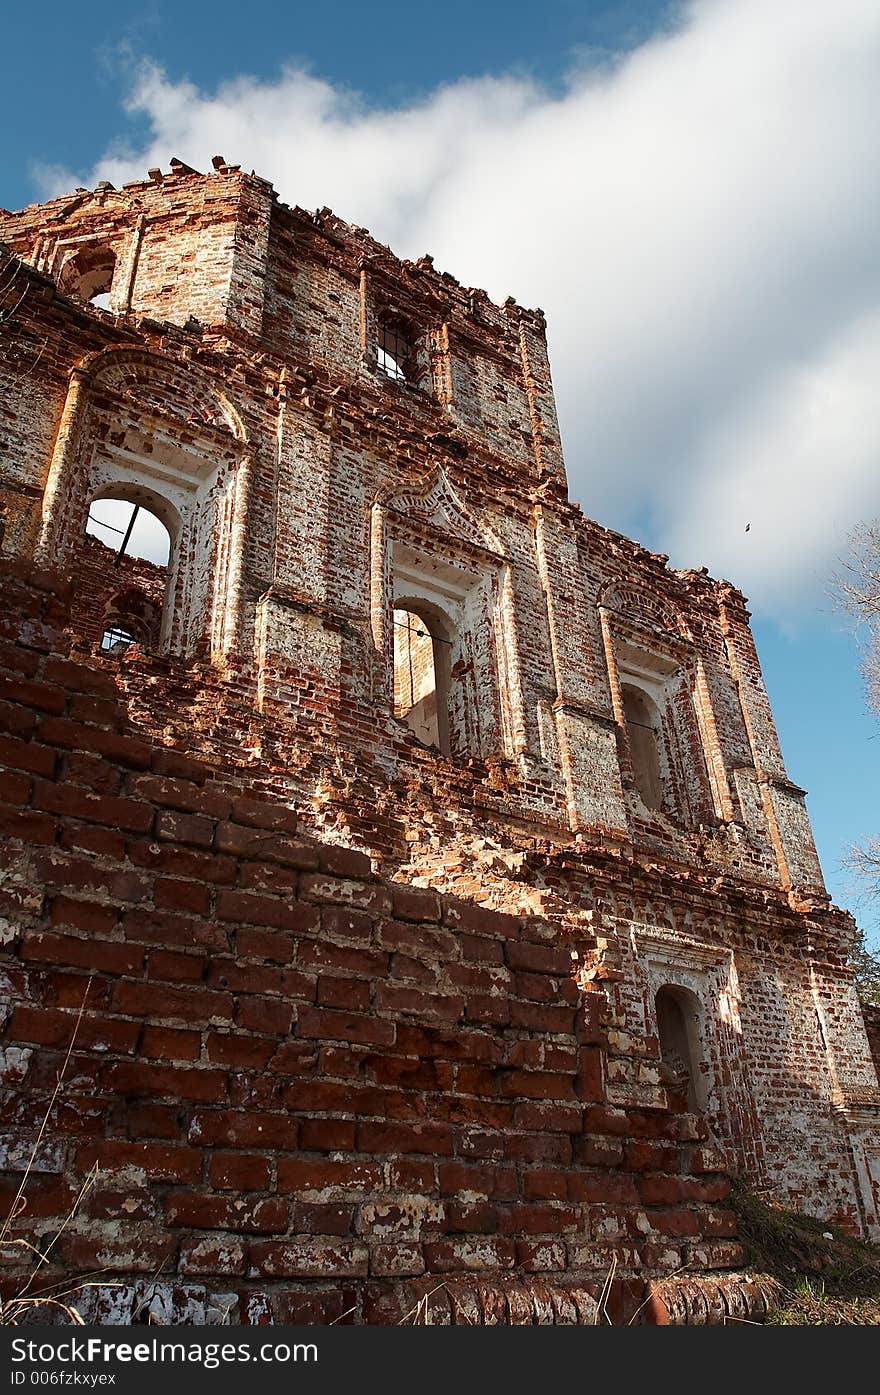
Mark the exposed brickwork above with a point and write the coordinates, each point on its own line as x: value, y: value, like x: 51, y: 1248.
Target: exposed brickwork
x: 872, y: 1027
x: 364, y: 1010
x: 288, y: 1071
x: 124, y: 591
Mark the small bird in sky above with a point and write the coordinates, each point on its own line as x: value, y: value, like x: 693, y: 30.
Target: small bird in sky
x: 748, y: 526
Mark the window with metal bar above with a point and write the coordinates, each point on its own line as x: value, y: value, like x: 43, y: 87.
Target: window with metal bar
x: 642, y: 726
x: 114, y: 639
x: 394, y: 353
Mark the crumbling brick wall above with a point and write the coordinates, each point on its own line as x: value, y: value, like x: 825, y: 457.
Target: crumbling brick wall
x: 307, y: 494
x: 295, y: 1090
x: 871, y: 1014
x: 126, y: 591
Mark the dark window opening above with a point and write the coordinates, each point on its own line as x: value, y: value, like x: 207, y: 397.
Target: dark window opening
x: 114, y: 640
x: 643, y: 732
x: 89, y: 275
x: 395, y: 356
x: 679, y: 1036
x: 421, y: 679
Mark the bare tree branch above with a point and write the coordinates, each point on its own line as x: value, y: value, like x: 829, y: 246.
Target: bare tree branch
x: 857, y: 588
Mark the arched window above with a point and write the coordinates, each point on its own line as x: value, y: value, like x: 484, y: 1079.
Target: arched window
x: 130, y: 527
x: 132, y: 616
x: 421, y: 676
x: 678, y: 1030
x: 643, y: 732
x: 161, y: 436
x: 89, y: 274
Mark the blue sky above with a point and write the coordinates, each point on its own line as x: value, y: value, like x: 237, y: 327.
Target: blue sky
x: 65, y: 78
x: 691, y: 192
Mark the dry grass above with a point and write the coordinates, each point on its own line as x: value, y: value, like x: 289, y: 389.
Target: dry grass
x: 828, y: 1279
x: 29, y: 1301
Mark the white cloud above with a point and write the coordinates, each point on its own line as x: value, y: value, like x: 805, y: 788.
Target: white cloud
x: 799, y: 462
x: 700, y: 221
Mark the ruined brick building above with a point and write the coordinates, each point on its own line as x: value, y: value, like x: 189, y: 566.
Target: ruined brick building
x: 423, y: 852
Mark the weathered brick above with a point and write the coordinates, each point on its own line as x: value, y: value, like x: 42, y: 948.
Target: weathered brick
x: 473, y: 1255
x: 263, y: 815
x: 429, y: 1007
x: 193, y: 829
x: 180, y: 968
x: 161, y: 1161
x: 405, y: 1138
x: 28, y: 826
x: 137, y: 1078
x: 462, y: 915
x: 29, y: 756
x: 41, y: 696
x: 248, y: 909
x: 416, y: 903
x: 305, y: 1175
x: 322, y: 1219
x: 240, y: 1049
x: 238, y: 1129
x: 310, y: 1259
x: 265, y: 944
x: 219, y: 1255
x: 205, y: 1212
x: 84, y: 837
x: 326, y: 1135
x: 170, y: 894
x: 104, y: 956
x: 170, y: 1044
x: 246, y: 1172
x: 315, y: 886
x: 344, y: 1026
x: 350, y: 994
x: 264, y: 1015
x: 61, y: 1029
x: 184, y: 796
x: 128, y: 814
x: 344, y: 862
x: 161, y: 1001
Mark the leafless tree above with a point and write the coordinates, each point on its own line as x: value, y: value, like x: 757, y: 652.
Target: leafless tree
x: 22, y: 348
x: 858, y: 587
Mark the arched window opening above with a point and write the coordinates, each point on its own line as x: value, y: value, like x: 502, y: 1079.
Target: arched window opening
x: 132, y: 617
x: 130, y: 528
x: 643, y: 732
x: 395, y: 352
x: 150, y: 433
x: 678, y: 1030
x: 421, y: 678
x: 89, y: 275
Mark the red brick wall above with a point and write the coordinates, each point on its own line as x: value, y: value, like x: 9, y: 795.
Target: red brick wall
x: 871, y: 1014
x: 305, y: 494
x: 306, y: 1092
